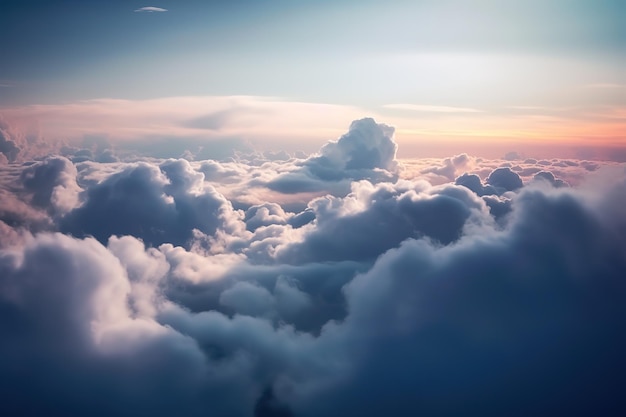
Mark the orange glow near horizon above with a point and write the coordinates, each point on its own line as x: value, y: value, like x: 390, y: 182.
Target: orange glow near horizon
x: 278, y: 124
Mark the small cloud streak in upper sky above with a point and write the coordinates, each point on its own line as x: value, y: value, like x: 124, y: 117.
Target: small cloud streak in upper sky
x: 150, y: 9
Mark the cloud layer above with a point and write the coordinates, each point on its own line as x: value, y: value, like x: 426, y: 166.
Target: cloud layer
x: 371, y: 286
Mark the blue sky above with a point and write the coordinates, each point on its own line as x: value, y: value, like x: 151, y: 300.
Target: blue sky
x: 340, y: 52
x: 437, y: 70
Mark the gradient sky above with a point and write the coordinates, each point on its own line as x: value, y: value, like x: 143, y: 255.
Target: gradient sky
x: 450, y: 242
x: 446, y: 74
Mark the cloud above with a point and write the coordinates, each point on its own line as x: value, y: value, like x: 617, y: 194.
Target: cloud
x: 512, y: 156
x: 343, y: 226
x: 21, y: 145
x: 448, y: 170
x: 152, y: 288
x: 248, y: 299
x: 159, y: 204
x: 468, y: 328
x: 150, y: 9
x: 366, y: 151
x: 549, y: 177
x: 36, y: 194
x: 488, y: 318
x: 8, y: 148
x: 367, y: 145
x: 474, y: 183
x: 500, y: 181
x: 86, y: 281
x: 503, y: 179
x: 53, y: 185
x: 265, y: 215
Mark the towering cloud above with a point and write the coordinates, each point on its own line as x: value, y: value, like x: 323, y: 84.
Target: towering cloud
x: 367, y: 151
x: 367, y: 146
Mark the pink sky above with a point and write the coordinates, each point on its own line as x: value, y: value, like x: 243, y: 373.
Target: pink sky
x: 269, y: 123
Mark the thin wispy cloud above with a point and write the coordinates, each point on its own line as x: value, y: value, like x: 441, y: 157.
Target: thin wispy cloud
x: 427, y: 108
x: 150, y: 9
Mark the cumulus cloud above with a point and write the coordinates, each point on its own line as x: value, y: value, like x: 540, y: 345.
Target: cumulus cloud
x: 53, y: 185
x: 503, y: 179
x: 8, y: 148
x: 367, y: 145
x: 159, y: 204
x: 495, y: 325
x: 35, y: 193
x: 549, y: 177
x: 142, y: 288
x: 366, y: 151
x: 449, y: 168
x: 343, y: 227
x: 499, y: 186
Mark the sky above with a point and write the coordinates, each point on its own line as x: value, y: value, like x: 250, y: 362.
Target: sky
x: 473, y: 76
x: 312, y: 208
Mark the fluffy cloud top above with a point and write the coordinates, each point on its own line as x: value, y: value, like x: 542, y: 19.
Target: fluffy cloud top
x: 163, y: 204
x: 367, y: 145
x: 366, y: 151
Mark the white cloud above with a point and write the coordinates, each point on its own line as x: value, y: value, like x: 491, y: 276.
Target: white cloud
x: 150, y: 9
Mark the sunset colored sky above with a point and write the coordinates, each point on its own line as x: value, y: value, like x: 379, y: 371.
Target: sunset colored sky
x: 478, y: 76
